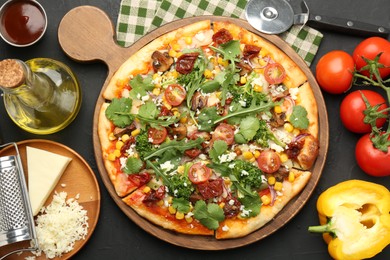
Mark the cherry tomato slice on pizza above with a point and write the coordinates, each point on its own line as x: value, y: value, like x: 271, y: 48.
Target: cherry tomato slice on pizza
x: 274, y: 73
x: 193, y: 153
x: 157, y: 135
x: 224, y: 132
x: 268, y: 161
x: 175, y: 94
x: 199, y: 173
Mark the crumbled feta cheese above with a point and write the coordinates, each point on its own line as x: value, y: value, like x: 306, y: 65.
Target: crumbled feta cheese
x: 275, y: 147
x: 225, y: 228
x: 167, y: 166
x: 244, y: 173
x: 231, y: 202
x: 242, y: 103
x: 227, y: 157
x: 123, y: 161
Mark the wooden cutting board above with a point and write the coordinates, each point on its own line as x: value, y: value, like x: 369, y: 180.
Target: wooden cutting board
x: 86, y: 34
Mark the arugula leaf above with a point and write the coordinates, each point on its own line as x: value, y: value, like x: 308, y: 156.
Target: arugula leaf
x: 298, y: 117
x: 176, y: 145
x: 159, y: 174
x: 119, y: 112
x: 209, y: 215
x: 181, y: 205
x: 219, y: 148
x: 133, y: 165
x: 140, y: 86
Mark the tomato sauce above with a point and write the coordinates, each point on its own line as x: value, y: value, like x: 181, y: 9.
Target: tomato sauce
x: 23, y: 22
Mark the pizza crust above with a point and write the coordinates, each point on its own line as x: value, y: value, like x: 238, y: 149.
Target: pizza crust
x: 237, y: 227
x: 139, y: 62
x: 159, y: 215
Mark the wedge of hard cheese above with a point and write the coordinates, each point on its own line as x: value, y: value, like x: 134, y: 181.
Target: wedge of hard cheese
x: 44, y: 171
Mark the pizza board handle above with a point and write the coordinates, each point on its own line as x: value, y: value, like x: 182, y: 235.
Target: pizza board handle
x: 86, y: 34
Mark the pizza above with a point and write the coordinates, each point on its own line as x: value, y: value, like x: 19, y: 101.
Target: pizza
x: 209, y: 130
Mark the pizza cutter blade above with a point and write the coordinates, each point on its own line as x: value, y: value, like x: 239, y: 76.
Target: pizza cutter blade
x: 277, y: 16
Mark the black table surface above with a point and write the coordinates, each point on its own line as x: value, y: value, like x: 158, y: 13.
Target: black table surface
x: 116, y: 236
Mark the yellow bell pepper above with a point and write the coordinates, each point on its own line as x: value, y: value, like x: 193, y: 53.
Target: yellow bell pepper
x: 355, y: 219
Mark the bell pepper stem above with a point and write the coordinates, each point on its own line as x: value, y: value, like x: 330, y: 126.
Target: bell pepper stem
x: 322, y: 229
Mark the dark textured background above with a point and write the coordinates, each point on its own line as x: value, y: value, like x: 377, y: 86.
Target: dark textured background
x: 116, y: 236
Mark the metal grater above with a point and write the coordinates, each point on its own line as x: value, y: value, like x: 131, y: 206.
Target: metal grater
x: 16, y: 218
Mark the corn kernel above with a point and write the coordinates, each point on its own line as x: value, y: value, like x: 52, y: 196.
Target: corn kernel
x: 291, y: 176
x: 288, y: 127
x: 172, y: 53
x: 179, y: 215
x: 176, y: 114
x: 156, y: 91
x: 208, y: 74
x: 188, y: 40
x: 256, y: 154
x: 298, y: 99
x: 175, y: 74
x: 135, y: 132
x: 111, y: 157
x: 283, y: 157
x: 253, y: 159
x: 271, y: 180
x: 243, y: 80
x: 125, y: 137
x: 170, y: 199
x: 117, y: 153
x: 221, y: 205
x: 296, y: 131
x: 278, y: 109
x: 155, y: 75
x: 172, y: 210
x: 176, y: 46
x: 189, y: 219
x: 258, y: 88
x: 183, y: 120
x: 111, y: 137
x: 119, y: 145
x: 160, y: 203
x: 223, y: 62
x: 247, y: 155
x: 265, y: 199
x: 263, y: 62
x: 146, y: 189
x: 278, y: 186
x: 180, y: 169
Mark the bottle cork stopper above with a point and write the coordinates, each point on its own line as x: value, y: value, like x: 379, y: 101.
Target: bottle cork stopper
x: 11, y: 73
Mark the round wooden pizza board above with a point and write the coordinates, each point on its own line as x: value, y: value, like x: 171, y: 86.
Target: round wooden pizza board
x: 86, y: 34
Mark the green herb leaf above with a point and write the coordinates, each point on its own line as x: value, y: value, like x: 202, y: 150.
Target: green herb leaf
x: 209, y: 215
x: 133, y: 165
x: 298, y: 117
x: 119, y: 112
x: 248, y: 127
x: 219, y: 148
x: 252, y: 205
x: 181, y: 205
x: 207, y: 117
x: 140, y: 86
x: 148, y: 110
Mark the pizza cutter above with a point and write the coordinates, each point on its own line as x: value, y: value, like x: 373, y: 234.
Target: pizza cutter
x: 277, y: 16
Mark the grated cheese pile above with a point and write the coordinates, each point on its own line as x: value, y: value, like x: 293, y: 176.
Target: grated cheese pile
x: 60, y: 225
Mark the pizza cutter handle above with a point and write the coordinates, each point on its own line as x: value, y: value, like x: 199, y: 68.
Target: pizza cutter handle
x: 347, y: 26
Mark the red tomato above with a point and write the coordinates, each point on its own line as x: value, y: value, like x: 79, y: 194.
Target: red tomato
x: 157, y: 135
x: 224, y: 132
x: 199, y: 173
x: 194, y: 152
x: 352, y: 107
x: 274, y: 73
x: 175, y: 94
x: 268, y: 161
x: 334, y: 72
x: 372, y: 161
x: 369, y: 49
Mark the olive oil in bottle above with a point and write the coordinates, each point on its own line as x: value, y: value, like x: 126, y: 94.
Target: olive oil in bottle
x: 42, y: 96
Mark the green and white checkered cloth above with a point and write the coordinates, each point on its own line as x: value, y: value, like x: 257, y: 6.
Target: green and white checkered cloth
x: 138, y: 17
